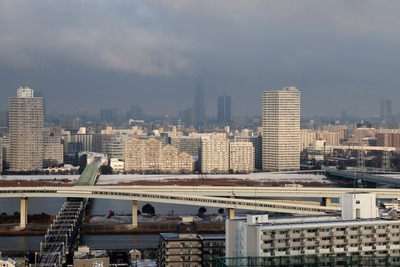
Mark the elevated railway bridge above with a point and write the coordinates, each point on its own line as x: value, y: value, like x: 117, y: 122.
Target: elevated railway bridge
x: 60, y: 240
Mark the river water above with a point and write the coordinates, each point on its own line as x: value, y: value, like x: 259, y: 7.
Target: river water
x: 98, y: 207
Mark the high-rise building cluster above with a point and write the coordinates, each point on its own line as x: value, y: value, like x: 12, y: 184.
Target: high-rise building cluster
x: 164, y: 146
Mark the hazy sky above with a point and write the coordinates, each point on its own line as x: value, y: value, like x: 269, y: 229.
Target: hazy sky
x: 341, y: 54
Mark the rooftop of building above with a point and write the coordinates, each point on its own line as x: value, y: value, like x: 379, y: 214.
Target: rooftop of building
x: 312, y: 221
x: 92, y: 254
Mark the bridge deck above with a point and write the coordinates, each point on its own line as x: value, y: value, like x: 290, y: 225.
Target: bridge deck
x: 89, y: 174
x: 364, y: 177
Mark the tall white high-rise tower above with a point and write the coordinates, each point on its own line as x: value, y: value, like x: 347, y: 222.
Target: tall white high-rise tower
x: 26, y: 118
x: 281, y: 129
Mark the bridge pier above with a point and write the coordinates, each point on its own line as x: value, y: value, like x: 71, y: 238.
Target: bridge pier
x: 23, y: 221
x: 134, y: 213
x: 231, y: 213
x: 326, y: 201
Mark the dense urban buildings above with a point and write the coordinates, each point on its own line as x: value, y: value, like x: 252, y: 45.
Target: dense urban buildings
x: 281, y: 129
x: 26, y: 131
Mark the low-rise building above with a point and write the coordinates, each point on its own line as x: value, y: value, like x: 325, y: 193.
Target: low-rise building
x: 86, y: 257
x: 7, y: 262
x: 187, y: 248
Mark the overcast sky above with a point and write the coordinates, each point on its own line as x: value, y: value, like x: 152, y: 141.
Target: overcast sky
x: 93, y: 54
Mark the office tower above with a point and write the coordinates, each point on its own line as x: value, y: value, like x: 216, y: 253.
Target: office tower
x: 224, y: 109
x: 281, y: 129
x: 26, y: 131
x: 199, y: 106
x: 135, y: 113
x: 386, y: 110
x: 188, y: 118
x: 3, y: 118
x: 109, y: 115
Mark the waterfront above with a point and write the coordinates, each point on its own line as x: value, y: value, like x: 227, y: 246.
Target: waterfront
x: 99, y: 207
x: 125, y: 241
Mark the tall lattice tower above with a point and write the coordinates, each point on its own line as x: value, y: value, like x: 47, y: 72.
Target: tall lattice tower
x: 386, y: 154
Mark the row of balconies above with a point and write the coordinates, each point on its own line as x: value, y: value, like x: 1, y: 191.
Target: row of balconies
x: 171, y: 252
x: 180, y: 245
x: 319, y: 243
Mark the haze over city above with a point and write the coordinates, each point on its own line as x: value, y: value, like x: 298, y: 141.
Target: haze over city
x: 103, y: 54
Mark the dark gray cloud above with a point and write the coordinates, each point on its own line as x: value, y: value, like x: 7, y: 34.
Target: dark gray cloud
x: 342, y: 55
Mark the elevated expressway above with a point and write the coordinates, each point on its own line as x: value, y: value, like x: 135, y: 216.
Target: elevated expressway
x: 234, y: 197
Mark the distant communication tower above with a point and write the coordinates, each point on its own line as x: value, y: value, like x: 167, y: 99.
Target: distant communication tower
x: 361, y: 156
x: 386, y: 154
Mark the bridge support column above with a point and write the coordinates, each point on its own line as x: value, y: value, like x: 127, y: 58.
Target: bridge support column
x: 134, y: 213
x: 231, y: 213
x: 326, y: 201
x: 23, y: 221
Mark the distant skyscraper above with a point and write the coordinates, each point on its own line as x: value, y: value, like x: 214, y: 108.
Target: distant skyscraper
x: 109, y: 115
x: 224, y: 109
x: 135, y: 112
x: 188, y: 117
x: 199, y: 105
x: 3, y: 118
x: 386, y: 110
x: 26, y: 131
x: 281, y: 129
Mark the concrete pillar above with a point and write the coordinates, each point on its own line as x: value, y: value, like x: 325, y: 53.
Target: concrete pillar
x: 231, y: 213
x: 134, y: 213
x: 326, y: 201
x: 23, y: 221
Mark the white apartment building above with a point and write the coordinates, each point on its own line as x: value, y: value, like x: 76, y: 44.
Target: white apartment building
x: 117, y: 165
x: 114, y: 147
x: 148, y: 155
x: 53, y: 150
x: 358, y: 232
x: 330, y: 138
x: 26, y: 118
x: 215, y: 155
x: 241, y: 157
x: 281, y: 129
x: 307, y: 138
x: 173, y: 162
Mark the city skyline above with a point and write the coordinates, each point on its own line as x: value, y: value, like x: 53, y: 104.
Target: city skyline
x: 105, y: 55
